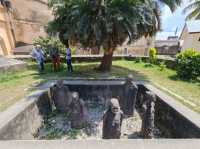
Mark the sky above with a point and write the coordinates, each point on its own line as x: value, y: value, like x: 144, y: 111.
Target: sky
x: 172, y: 21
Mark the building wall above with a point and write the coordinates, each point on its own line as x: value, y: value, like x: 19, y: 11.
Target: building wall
x: 190, y: 40
x: 30, y: 17
x: 6, y: 37
x: 139, y: 47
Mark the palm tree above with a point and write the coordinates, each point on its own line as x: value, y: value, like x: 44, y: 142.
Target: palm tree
x: 106, y: 23
x: 6, y: 4
x: 193, y: 9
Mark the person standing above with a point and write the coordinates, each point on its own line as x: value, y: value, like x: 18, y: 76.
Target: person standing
x: 38, y: 55
x: 55, y: 57
x: 68, y: 58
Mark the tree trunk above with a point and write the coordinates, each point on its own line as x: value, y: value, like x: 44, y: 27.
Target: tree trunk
x: 106, y: 62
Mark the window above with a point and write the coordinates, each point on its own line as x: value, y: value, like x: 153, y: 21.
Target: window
x: 199, y: 38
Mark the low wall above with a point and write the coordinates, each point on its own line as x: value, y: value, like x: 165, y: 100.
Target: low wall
x: 22, y: 120
x: 172, y: 118
x: 11, y: 65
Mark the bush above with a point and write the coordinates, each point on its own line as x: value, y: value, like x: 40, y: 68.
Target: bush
x: 152, y: 55
x: 138, y: 60
x: 188, y: 64
x: 162, y: 66
x: 46, y: 42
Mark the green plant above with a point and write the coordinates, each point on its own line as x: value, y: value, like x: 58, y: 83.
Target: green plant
x: 138, y: 60
x: 152, y: 55
x: 72, y: 133
x: 188, y: 64
x: 47, y: 42
x: 162, y: 66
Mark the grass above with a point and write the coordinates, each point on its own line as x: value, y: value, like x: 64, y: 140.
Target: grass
x: 14, y: 86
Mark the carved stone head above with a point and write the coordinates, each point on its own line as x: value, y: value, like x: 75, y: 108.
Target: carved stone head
x: 75, y: 96
x: 59, y: 83
x: 129, y: 79
x: 114, y: 105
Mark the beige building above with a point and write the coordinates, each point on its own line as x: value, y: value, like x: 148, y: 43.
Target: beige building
x: 139, y: 47
x: 169, y: 46
x: 23, y: 24
x: 7, y: 41
x: 30, y: 17
x: 190, y: 36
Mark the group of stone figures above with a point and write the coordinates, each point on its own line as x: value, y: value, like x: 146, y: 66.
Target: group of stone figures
x: 69, y: 102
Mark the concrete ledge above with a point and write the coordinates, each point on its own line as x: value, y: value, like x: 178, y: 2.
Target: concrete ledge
x: 21, y: 120
x: 173, y: 117
x: 9, y: 65
x: 103, y: 144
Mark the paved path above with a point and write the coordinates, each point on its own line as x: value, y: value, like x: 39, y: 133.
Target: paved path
x: 103, y: 144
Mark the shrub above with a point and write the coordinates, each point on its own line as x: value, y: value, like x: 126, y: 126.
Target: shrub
x: 188, y: 64
x: 152, y: 55
x: 46, y: 42
x: 138, y: 60
x: 162, y: 66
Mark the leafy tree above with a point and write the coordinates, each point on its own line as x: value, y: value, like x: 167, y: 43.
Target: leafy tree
x: 47, y: 42
x: 105, y: 23
x: 193, y: 9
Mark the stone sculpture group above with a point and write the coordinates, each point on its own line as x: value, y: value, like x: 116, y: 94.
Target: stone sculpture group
x: 70, y: 102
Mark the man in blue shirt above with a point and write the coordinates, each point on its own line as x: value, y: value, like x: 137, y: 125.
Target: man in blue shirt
x: 68, y: 58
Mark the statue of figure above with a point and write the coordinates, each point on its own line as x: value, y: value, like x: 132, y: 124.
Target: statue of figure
x: 79, y: 114
x: 61, y: 96
x: 130, y: 96
x: 148, y: 115
x: 112, y: 120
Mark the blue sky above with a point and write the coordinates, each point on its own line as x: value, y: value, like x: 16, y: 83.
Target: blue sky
x: 171, y: 21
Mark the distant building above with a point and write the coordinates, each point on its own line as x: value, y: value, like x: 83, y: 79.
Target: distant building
x: 139, y: 47
x: 190, y: 36
x: 169, y: 46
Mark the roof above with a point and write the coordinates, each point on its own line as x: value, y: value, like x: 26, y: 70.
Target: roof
x: 193, y: 26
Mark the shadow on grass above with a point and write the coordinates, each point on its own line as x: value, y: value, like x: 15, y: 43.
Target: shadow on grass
x: 176, y: 78
x: 85, y: 70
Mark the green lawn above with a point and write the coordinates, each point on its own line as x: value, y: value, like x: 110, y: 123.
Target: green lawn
x: 14, y: 86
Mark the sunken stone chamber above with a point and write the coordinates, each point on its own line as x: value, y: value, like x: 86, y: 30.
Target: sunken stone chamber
x: 23, y: 120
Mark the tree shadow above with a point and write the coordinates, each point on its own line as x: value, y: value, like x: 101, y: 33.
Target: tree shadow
x: 85, y: 71
x: 176, y: 78
x: 148, y: 65
x: 135, y: 135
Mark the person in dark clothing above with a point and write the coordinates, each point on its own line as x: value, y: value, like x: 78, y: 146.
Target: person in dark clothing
x: 55, y: 57
x: 68, y: 59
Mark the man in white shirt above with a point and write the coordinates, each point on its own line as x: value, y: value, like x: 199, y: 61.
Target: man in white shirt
x: 38, y: 55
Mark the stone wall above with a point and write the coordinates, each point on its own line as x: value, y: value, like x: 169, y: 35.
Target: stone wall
x: 171, y: 117
x: 21, y: 121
